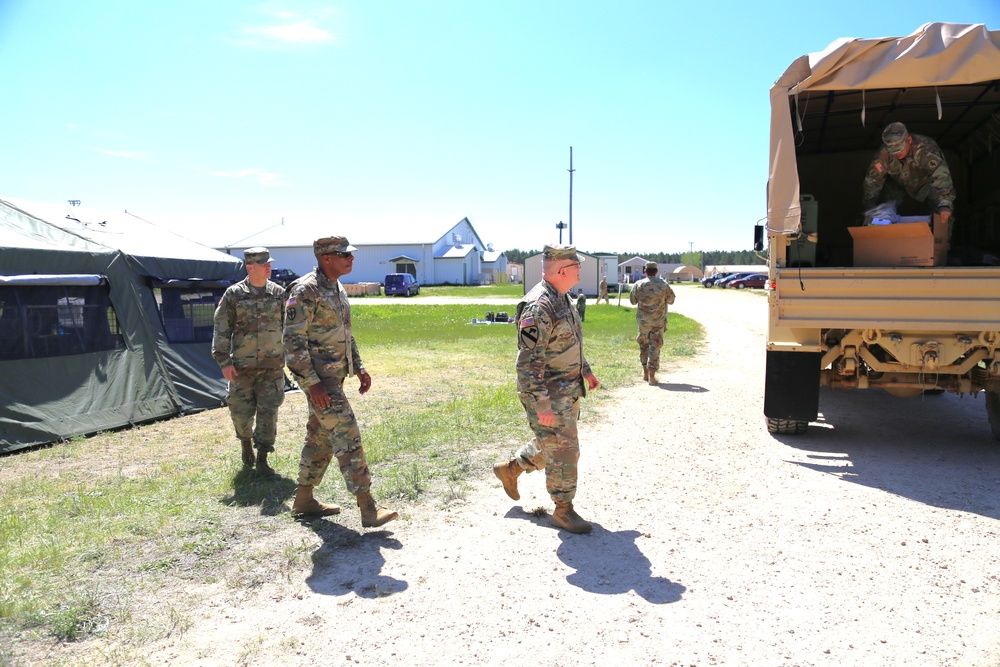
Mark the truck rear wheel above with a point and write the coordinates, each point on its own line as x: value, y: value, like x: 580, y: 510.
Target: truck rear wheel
x: 993, y: 410
x: 789, y: 426
x: 791, y: 391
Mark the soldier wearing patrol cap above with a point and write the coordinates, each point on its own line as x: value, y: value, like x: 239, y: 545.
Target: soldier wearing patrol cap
x: 321, y: 353
x: 247, y: 345
x: 652, y: 295
x: 552, y: 377
x: 909, y: 164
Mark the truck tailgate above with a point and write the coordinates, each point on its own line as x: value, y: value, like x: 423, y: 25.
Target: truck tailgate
x: 905, y: 298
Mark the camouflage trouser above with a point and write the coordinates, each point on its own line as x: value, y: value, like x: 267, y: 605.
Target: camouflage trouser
x: 331, y: 433
x: 603, y: 295
x: 555, y: 449
x: 650, y: 341
x: 257, y: 391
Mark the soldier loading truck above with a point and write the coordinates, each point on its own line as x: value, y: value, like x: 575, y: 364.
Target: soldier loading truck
x: 908, y: 307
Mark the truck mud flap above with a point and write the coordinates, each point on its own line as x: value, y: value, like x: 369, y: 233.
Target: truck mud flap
x: 791, y: 385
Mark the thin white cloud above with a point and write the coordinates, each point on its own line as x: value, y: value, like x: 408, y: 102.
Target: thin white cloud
x: 262, y: 177
x: 300, y: 32
x: 128, y: 155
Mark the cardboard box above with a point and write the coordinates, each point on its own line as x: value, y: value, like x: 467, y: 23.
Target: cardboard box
x: 903, y: 244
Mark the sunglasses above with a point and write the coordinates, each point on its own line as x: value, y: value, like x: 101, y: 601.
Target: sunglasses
x: 340, y: 254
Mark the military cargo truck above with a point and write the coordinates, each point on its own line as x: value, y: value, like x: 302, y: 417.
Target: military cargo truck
x: 916, y: 309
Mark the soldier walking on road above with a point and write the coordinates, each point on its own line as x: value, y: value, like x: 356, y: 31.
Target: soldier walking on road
x: 247, y: 345
x: 602, y: 291
x: 652, y: 294
x: 552, y: 376
x: 321, y: 352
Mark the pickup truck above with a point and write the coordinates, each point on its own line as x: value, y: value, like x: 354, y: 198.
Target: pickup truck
x: 926, y: 321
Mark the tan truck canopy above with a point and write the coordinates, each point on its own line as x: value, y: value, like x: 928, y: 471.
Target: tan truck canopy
x: 949, y: 71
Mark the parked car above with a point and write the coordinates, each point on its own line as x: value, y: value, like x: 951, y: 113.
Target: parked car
x: 753, y: 280
x: 401, y: 284
x: 725, y: 282
x: 714, y: 279
x: 284, y: 277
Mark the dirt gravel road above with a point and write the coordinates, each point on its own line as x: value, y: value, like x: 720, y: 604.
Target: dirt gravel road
x: 871, y: 541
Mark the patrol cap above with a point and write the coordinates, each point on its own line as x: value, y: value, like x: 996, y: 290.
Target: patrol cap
x: 332, y: 244
x: 894, y: 137
x: 652, y: 265
x: 557, y: 253
x: 257, y: 255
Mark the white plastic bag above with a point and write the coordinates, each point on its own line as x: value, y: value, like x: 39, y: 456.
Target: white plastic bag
x: 883, y: 214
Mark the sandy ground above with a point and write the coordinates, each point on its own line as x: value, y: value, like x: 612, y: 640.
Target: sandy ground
x: 873, y: 540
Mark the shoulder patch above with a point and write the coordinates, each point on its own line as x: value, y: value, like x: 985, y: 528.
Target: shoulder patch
x: 291, y: 302
x: 879, y: 167
x: 528, y: 336
x: 528, y: 321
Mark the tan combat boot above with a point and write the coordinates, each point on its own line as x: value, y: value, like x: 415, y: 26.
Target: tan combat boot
x: 306, y: 505
x: 645, y: 374
x: 262, y: 467
x: 652, y: 378
x: 566, y: 518
x: 373, y: 516
x: 248, y: 458
x: 508, y: 473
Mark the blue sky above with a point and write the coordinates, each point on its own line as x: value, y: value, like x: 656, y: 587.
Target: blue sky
x: 220, y: 118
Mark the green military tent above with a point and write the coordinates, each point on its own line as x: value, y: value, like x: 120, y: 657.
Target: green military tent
x: 105, y: 321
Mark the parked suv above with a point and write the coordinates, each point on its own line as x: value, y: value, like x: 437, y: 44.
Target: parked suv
x: 283, y: 277
x: 402, y: 284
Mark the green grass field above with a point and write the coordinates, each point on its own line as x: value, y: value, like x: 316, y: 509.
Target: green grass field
x: 92, y: 529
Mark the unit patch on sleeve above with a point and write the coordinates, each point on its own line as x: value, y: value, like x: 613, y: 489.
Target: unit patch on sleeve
x: 527, y: 333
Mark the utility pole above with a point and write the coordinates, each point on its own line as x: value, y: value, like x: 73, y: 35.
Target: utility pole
x: 571, y: 170
x: 561, y: 226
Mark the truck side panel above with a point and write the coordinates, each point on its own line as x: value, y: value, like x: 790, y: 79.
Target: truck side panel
x: 945, y: 298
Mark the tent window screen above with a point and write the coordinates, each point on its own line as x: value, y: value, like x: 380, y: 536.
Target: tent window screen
x: 187, y: 311
x: 56, y: 320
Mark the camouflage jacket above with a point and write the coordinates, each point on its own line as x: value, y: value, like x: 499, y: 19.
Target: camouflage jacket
x: 652, y: 295
x: 550, y: 359
x: 248, y: 326
x: 319, y: 343
x: 923, y: 173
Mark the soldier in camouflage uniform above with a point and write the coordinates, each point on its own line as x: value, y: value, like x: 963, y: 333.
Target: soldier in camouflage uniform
x: 247, y: 344
x: 321, y: 352
x: 581, y: 304
x: 552, y: 376
x: 914, y: 165
x: 602, y: 291
x: 652, y: 294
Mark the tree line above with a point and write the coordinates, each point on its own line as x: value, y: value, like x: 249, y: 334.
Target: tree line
x: 699, y: 258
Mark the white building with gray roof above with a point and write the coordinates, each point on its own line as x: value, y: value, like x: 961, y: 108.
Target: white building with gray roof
x: 456, y: 257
